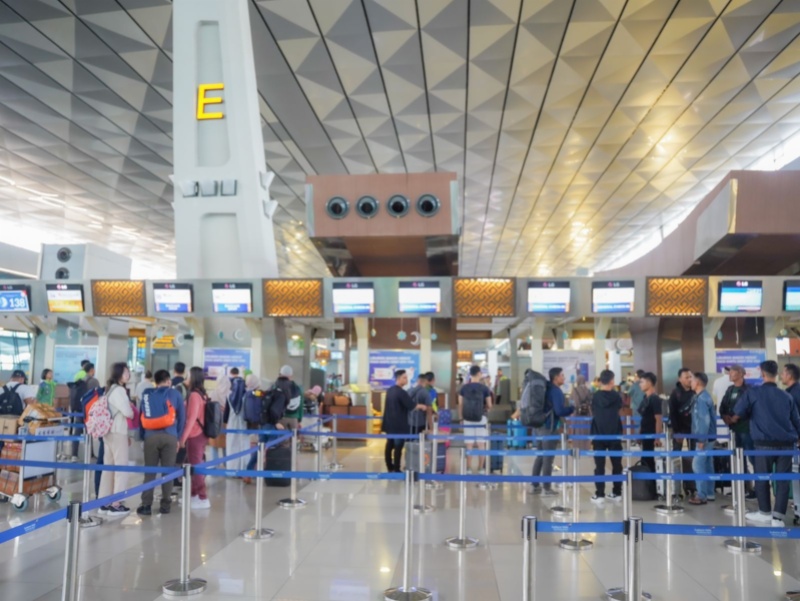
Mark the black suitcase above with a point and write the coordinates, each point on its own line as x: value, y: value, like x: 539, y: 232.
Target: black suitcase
x: 279, y: 459
x: 643, y: 490
x: 722, y: 465
x: 496, y: 461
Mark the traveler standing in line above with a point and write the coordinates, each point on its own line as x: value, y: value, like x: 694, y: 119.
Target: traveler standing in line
x: 581, y: 397
x: 294, y: 410
x: 395, y: 419
x: 556, y: 407
x: 680, y: 420
x: 219, y: 395
x: 234, y: 417
x: 147, y: 382
x: 179, y: 379
x: 704, y: 426
x: 650, y: 410
x: 606, y: 407
x: 430, y: 383
x: 635, y: 391
x: 774, y: 426
x: 790, y: 377
x: 418, y: 420
x: 160, y: 433
x: 740, y: 428
x: 46, y: 392
x: 474, y: 401
x: 193, y: 439
x: 116, y: 442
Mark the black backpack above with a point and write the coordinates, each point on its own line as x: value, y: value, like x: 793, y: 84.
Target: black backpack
x: 10, y: 401
x: 212, y: 425
x: 474, y: 403
x: 533, y: 405
x: 273, y: 406
x: 77, y: 390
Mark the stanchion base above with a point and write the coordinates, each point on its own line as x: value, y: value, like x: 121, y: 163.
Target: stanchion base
x: 334, y: 467
x: 461, y: 543
x: 619, y: 594
x: 423, y: 509
x: 90, y: 521
x: 410, y: 594
x: 433, y: 485
x: 748, y: 546
x: 488, y: 485
x: 560, y: 512
x: 669, y: 509
x: 180, y: 588
x: 291, y: 503
x: 729, y: 509
x: 575, y: 545
x: 793, y: 596
x: 254, y: 534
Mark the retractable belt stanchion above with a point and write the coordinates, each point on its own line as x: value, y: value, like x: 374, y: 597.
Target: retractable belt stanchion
x: 69, y: 588
x: 88, y: 521
x: 635, y: 533
x: 562, y: 510
x: 667, y: 508
x: 487, y: 471
x: 621, y: 593
x: 185, y: 585
x: 431, y: 484
x: 628, y: 441
x: 407, y: 592
x: 576, y: 543
x: 731, y: 509
x: 528, y: 536
x: 259, y: 533
x: 462, y: 541
x: 334, y: 465
x: 740, y: 543
x: 293, y: 502
x: 421, y: 507
x: 318, y: 460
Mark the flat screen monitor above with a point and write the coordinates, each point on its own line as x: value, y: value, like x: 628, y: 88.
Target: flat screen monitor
x: 337, y: 355
x: 613, y: 296
x: 791, y: 295
x: 173, y: 298
x: 548, y: 297
x: 420, y: 297
x: 232, y: 297
x: 740, y: 296
x: 353, y: 298
x: 478, y: 357
x: 15, y: 298
x: 65, y: 298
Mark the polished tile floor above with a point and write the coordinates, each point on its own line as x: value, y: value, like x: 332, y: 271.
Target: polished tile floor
x: 346, y: 545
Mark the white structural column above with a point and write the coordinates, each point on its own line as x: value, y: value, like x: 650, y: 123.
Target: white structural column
x: 513, y: 372
x: 601, y: 327
x: 268, y: 350
x: 99, y: 326
x: 537, y: 352
x: 772, y: 329
x: 223, y: 225
x: 362, y: 333
x: 425, y: 344
x: 711, y: 325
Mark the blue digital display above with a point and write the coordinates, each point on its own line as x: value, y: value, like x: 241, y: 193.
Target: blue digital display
x: 232, y: 298
x: 740, y: 296
x: 613, y: 297
x: 548, y: 297
x: 420, y: 297
x: 353, y: 298
x: 172, y: 298
x: 15, y: 299
x: 791, y: 295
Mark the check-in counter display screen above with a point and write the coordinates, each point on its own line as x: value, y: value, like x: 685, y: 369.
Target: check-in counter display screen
x: 548, y: 297
x: 420, y: 297
x: 353, y: 298
x: 65, y: 298
x: 791, y: 295
x: 740, y: 296
x: 613, y: 297
x: 173, y: 298
x: 15, y: 298
x: 232, y: 298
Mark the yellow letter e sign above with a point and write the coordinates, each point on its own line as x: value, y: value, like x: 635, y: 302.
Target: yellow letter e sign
x: 203, y: 100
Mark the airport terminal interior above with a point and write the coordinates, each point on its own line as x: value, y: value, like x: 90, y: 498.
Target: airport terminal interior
x: 357, y: 300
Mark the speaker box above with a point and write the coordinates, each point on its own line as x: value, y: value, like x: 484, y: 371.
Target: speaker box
x: 82, y: 262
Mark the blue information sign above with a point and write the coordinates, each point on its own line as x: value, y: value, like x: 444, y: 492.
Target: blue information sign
x: 383, y: 364
x: 15, y: 298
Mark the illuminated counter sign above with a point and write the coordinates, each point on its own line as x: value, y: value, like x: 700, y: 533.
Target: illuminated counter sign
x: 65, y: 298
x: 740, y: 296
x: 791, y: 295
x: 613, y: 297
x: 419, y: 297
x: 353, y: 298
x: 548, y: 297
x: 172, y: 298
x: 232, y: 298
x: 15, y: 298
x: 203, y: 100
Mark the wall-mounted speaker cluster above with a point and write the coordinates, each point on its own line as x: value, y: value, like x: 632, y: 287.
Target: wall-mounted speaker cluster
x: 397, y: 206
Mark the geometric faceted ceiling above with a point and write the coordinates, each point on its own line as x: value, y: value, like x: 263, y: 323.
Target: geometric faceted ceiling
x: 580, y: 130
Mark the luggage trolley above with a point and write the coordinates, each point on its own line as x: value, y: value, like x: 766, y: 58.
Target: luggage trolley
x: 32, y: 480
x: 313, y: 440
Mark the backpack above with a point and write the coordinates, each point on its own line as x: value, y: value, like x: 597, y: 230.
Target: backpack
x: 77, y: 390
x: 98, y: 418
x: 89, y: 398
x: 419, y: 394
x: 237, y: 394
x: 183, y: 390
x: 533, y: 404
x: 273, y: 406
x: 10, y: 401
x: 212, y: 425
x: 474, y: 403
x: 253, y: 401
x: 157, y: 412
x: 686, y: 409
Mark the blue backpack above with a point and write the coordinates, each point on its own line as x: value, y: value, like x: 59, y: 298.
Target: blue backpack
x: 253, y: 402
x: 237, y: 394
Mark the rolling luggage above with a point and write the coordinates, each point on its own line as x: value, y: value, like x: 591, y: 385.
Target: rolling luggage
x: 279, y: 459
x: 515, y: 432
x: 445, y: 420
x: 661, y: 485
x: 412, y: 456
x: 722, y: 465
x: 496, y: 461
x: 643, y: 490
x: 441, y: 457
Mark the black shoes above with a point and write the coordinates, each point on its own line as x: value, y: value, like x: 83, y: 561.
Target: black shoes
x: 144, y: 510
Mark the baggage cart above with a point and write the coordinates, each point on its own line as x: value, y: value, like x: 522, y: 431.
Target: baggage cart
x: 18, y: 484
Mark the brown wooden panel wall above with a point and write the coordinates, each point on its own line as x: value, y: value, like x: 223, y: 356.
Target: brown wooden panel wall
x: 484, y: 297
x: 119, y: 298
x: 293, y: 298
x: 677, y: 297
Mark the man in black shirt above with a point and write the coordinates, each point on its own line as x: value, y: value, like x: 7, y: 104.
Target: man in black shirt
x: 790, y: 377
x: 395, y: 419
x: 680, y: 420
x: 740, y: 429
x: 650, y: 410
x: 606, y: 405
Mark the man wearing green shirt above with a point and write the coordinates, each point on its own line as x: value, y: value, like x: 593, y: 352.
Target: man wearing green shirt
x: 741, y: 428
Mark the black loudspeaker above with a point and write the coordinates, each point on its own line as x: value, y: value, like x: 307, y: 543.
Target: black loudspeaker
x: 337, y: 208
x: 367, y: 207
x: 428, y: 205
x: 398, y: 206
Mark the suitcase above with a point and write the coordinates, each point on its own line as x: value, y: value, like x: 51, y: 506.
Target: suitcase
x: 445, y: 420
x: 412, y: 455
x: 643, y: 490
x: 514, y: 432
x: 441, y: 457
x: 279, y: 459
x: 496, y: 461
x: 661, y: 468
x: 722, y: 465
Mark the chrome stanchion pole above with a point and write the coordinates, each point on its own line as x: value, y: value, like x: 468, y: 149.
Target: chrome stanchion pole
x: 740, y: 543
x: 259, y: 533
x: 432, y: 484
x: 562, y: 509
x: 335, y: 465
x: 407, y: 592
x: 421, y: 507
x: 576, y: 543
x: 668, y: 508
x: 69, y: 589
x: 731, y: 509
x: 86, y: 520
x: 318, y: 460
x: 621, y: 593
x: 628, y: 440
x: 633, y: 544
x: 292, y: 502
x: 528, y: 536
x: 462, y: 541
x: 487, y: 471
x: 185, y: 585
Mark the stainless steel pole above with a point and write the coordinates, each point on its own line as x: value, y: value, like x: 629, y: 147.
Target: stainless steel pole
x: 293, y: 502
x: 69, y: 589
x: 628, y: 441
x: 335, y: 465
x: 528, y: 535
x: 731, y: 509
x: 259, y: 533
x: 621, y: 593
x: 88, y: 521
x: 576, y: 543
x: 462, y: 541
x: 318, y: 461
x: 421, y: 507
x: 562, y: 509
x: 668, y: 507
x: 635, y: 557
x: 740, y: 543
x: 432, y: 484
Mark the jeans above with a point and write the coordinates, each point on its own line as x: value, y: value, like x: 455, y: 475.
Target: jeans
x: 543, y: 466
x: 704, y: 465
x: 101, y: 452
x: 600, y: 466
x: 766, y: 465
x: 393, y: 454
x: 161, y: 449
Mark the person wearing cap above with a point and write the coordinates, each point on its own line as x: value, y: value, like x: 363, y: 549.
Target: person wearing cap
x: 740, y: 429
x: 294, y: 410
x: 704, y: 427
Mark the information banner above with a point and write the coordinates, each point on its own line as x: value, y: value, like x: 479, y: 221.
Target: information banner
x: 750, y: 359
x: 217, y: 362
x: 574, y: 363
x: 67, y: 361
x: 382, y: 365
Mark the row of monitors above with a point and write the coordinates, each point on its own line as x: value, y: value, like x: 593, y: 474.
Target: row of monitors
x: 414, y: 297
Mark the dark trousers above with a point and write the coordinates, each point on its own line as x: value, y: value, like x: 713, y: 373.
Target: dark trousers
x: 393, y: 453
x: 689, y: 487
x: 600, y: 466
x: 180, y: 459
x: 780, y: 465
x: 101, y: 453
x: 649, y: 445
x: 161, y: 449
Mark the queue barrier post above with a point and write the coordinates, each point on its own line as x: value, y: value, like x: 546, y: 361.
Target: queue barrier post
x: 487, y: 471
x: 257, y: 532
x: 576, y: 543
x: 421, y: 507
x: 740, y: 543
x: 563, y: 510
x: 462, y: 541
x: 628, y: 441
x: 293, y: 502
x: 69, y: 588
x: 334, y: 465
x: 86, y: 520
x: 318, y: 458
x: 528, y: 550
x: 432, y: 484
x: 634, y: 531
x: 621, y: 593
x: 185, y: 586
x: 405, y: 592
x: 731, y: 509
x: 669, y: 507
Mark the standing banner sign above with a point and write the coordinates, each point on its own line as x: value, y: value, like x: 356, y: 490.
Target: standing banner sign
x: 217, y: 362
x: 67, y: 361
x: 382, y: 365
x: 750, y: 359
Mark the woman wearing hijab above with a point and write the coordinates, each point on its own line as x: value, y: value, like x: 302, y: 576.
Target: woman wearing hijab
x: 220, y: 394
x: 235, y: 443
x: 581, y: 397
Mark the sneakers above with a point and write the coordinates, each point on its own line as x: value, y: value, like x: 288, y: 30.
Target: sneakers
x: 194, y: 498
x: 758, y: 517
x: 198, y: 503
x: 751, y: 496
x: 598, y: 500
x: 776, y: 523
x: 614, y: 497
x: 144, y: 510
x: 164, y: 510
x: 117, y: 510
x: 103, y: 510
x: 549, y: 492
x: 536, y: 490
